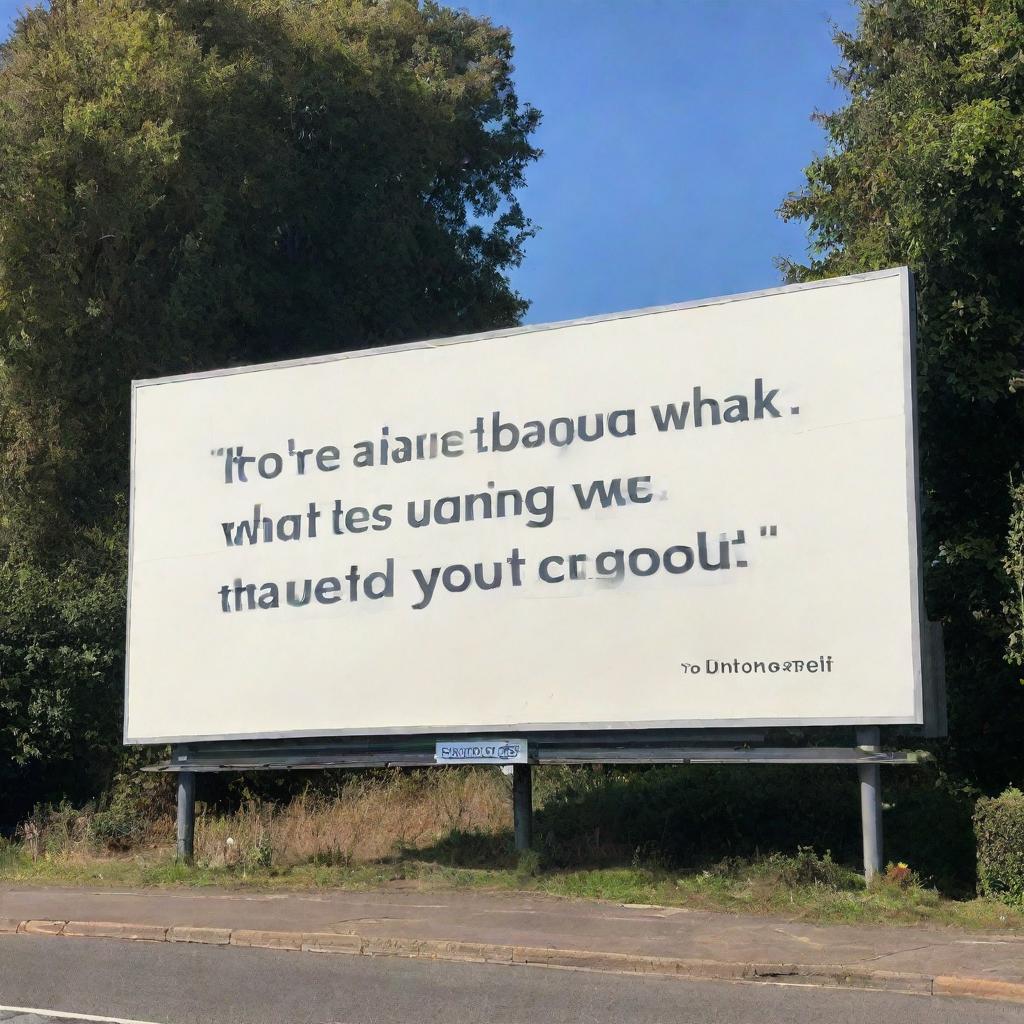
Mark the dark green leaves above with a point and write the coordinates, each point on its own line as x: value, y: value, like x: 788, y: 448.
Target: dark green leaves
x: 187, y: 184
x: 925, y: 166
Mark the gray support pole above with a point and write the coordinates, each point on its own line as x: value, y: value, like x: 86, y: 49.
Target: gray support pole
x: 186, y: 816
x: 869, y: 738
x: 522, y: 805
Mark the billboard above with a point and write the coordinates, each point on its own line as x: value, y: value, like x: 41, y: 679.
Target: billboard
x: 696, y: 515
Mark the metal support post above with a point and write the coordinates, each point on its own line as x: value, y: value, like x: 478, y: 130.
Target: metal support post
x: 186, y: 816
x: 869, y: 738
x: 522, y: 805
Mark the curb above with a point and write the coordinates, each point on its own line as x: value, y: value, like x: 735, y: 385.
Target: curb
x: 819, y: 975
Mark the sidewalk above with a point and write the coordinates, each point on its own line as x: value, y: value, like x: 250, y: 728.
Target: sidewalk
x: 537, y: 929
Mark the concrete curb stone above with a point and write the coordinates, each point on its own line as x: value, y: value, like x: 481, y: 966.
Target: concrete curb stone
x: 471, y: 952
x: 331, y: 942
x: 978, y: 988
x: 196, y: 933
x: 822, y: 975
x: 842, y: 976
x: 42, y: 927
x: 116, y: 930
x: 266, y: 939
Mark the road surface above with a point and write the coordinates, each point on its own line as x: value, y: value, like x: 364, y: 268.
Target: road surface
x: 171, y: 983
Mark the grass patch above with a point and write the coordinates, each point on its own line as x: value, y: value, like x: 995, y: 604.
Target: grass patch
x: 698, y: 837
x: 803, y: 887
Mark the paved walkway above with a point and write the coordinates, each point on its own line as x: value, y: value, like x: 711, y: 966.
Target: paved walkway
x: 539, y: 921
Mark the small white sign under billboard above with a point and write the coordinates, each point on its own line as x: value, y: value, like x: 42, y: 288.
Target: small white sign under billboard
x: 699, y: 515
x: 486, y: 751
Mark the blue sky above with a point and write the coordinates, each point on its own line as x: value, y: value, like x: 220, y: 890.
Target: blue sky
x: 672, y: 130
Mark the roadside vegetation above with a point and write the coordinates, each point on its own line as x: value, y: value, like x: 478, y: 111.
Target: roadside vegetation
x: 141, y: 144
x: 694, y: 837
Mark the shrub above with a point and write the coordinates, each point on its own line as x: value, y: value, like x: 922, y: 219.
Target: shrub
x: 60, y: 684
x: 999, y: 828
x: 139, y: 810
x: 55, y: 830
x: 806, y: 867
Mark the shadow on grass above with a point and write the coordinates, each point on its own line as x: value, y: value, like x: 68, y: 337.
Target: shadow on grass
x: 691, y: 818
x: 467, y: 849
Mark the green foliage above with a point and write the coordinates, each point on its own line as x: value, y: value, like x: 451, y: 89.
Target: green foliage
x: 53, y: 829
x: 806, y: 867
x: 260, y: 855
x: 999, y: 825
x: 11, y: 854
x: 528, y: 864
x: 137, y: 810
x: 925, y: 166
x: 135, y: 803
x: 695, y: 815
x: 1013, y: 564
x: 186, y: 184
x: 60, y: 658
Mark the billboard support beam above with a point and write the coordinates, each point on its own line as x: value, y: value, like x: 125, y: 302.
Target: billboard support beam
x: 522, y: 805
x: 869, y: 740
x: 624, y: 746
x: 186, y: 816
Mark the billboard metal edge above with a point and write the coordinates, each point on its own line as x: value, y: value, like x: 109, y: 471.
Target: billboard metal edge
x: 710, y: 725
x: 131, y: 560
x: 511, y: 332
x: 914, y: 526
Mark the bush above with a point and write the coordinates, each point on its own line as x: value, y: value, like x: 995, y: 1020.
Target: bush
x: 999, y: 828
x: 61, y: 678
x: 54, y: 830
x: 805, y: 867
x: 139, y: 810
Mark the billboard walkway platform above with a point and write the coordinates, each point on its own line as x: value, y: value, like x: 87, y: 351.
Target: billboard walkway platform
x: 529, y: 929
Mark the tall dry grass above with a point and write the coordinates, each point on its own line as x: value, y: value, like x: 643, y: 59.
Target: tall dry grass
x: 372, y: 818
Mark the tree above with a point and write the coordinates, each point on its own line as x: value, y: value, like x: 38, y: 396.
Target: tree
x: 925, y: 167
x: 186, y: 184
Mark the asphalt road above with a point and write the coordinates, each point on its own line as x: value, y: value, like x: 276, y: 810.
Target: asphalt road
x: 195, y: 984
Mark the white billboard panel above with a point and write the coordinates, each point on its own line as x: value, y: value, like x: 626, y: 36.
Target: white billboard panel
x: 701, y: 515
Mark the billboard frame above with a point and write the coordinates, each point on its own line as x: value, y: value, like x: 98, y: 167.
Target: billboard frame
x: 908, y: 310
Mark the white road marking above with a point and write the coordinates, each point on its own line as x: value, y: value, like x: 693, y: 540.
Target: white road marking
x: 62, y: 1015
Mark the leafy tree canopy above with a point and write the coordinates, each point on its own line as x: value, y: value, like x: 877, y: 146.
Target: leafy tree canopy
x: 925, y: 166
x: 186, y: 184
